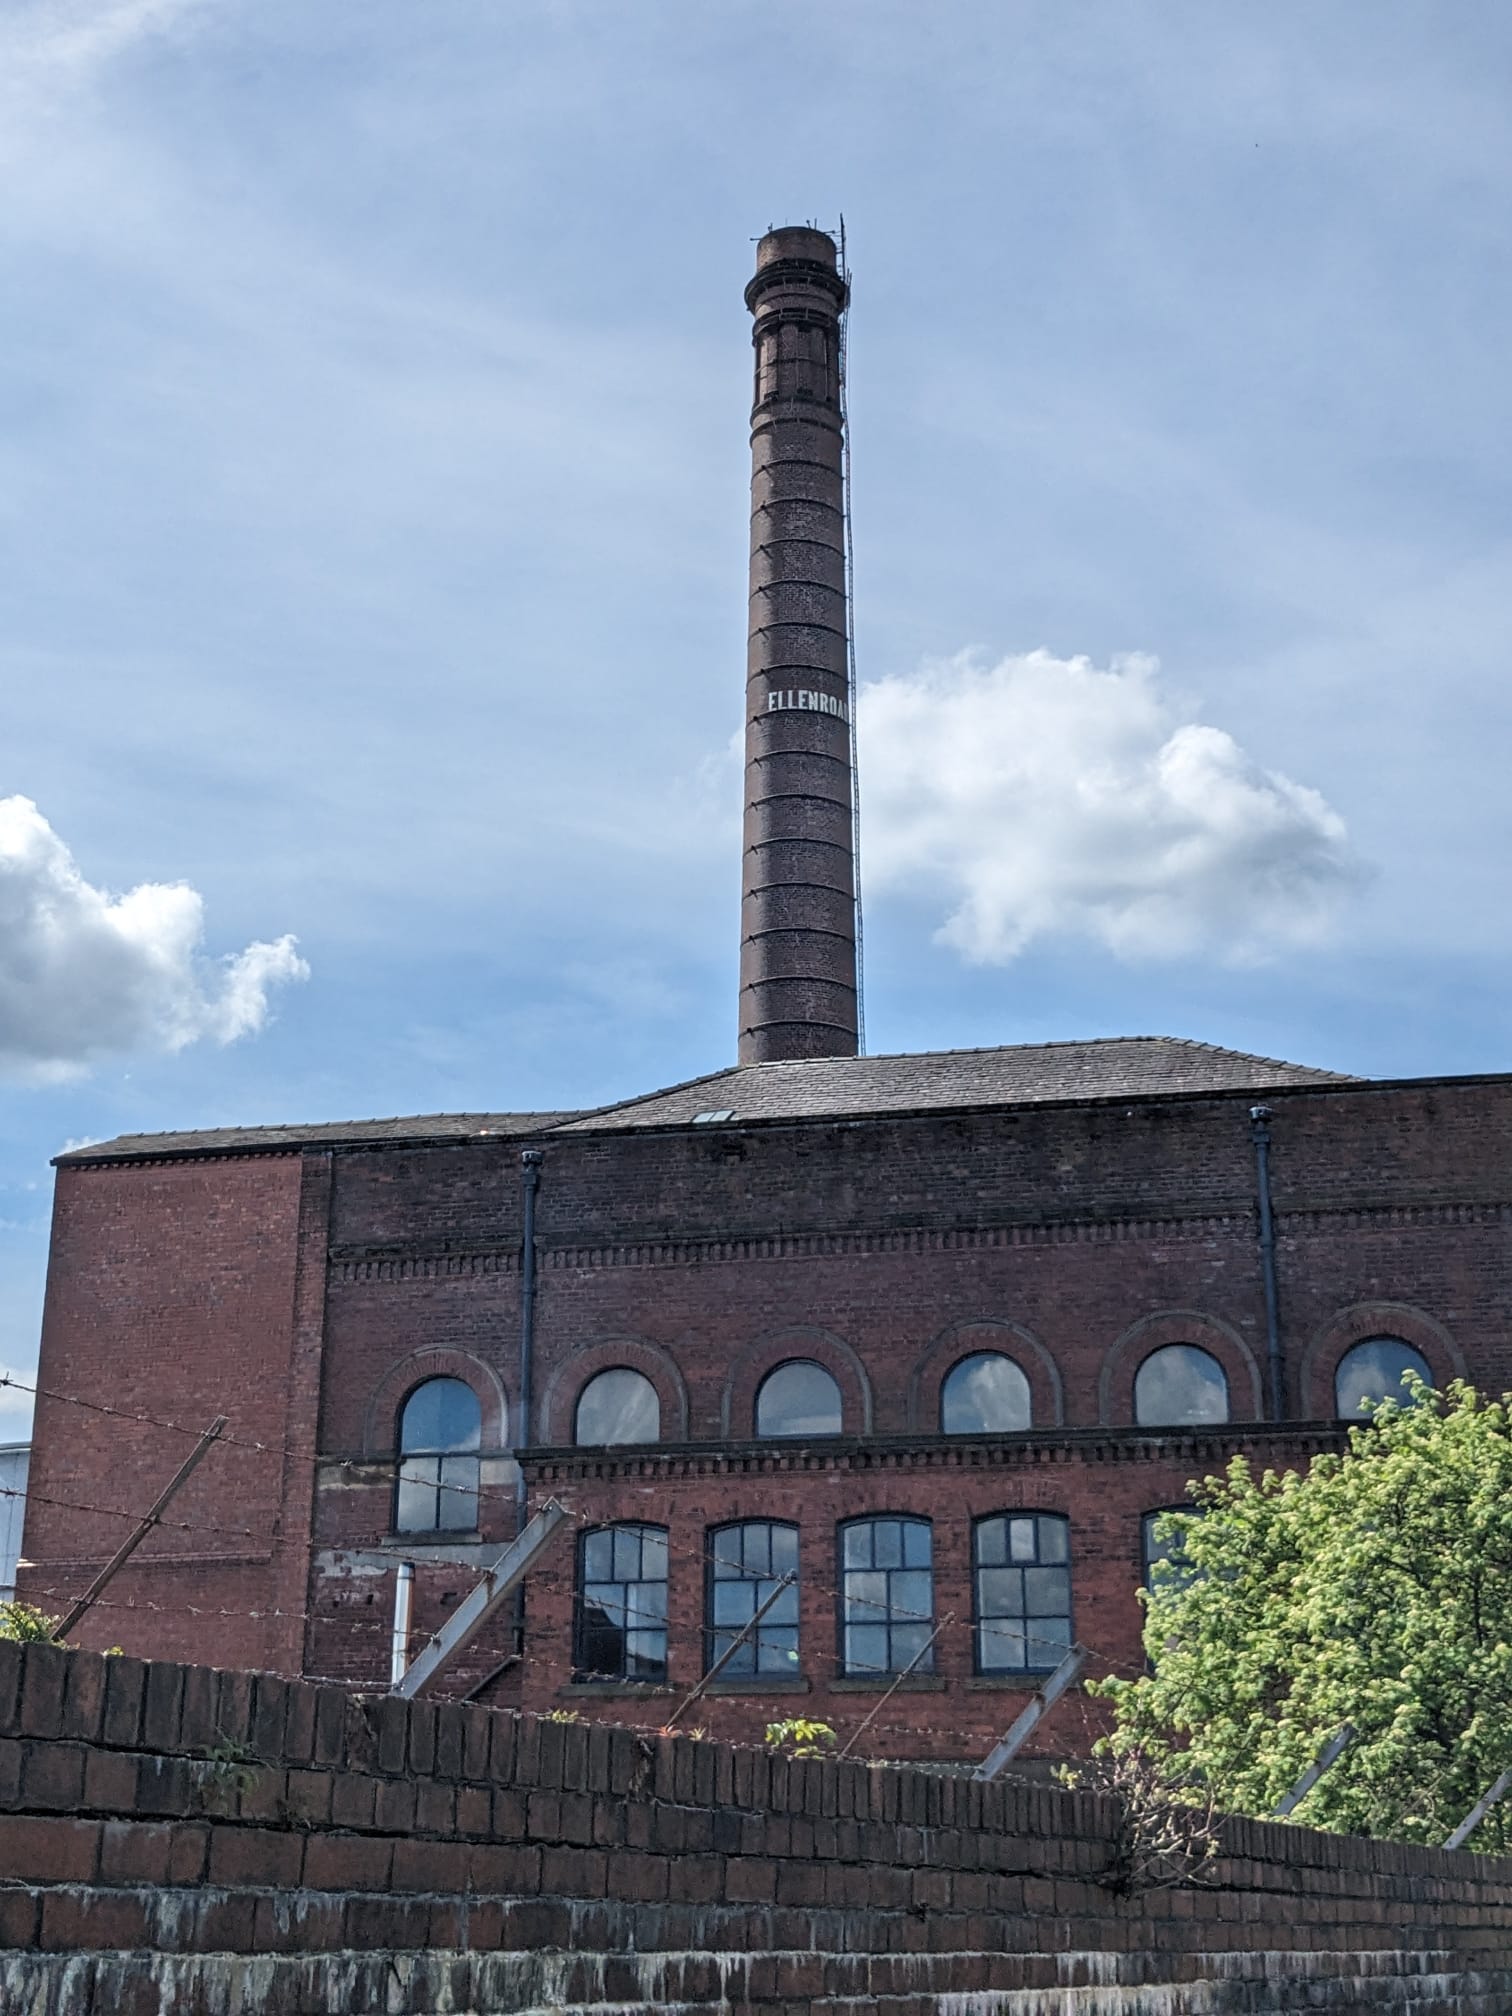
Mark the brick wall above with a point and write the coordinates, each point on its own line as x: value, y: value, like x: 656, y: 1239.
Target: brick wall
x: 214, y: 1842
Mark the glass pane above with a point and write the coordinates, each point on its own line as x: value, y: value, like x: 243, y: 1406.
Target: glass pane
x: 906, y: 1641
x: 1021, y: 1540
x: 653, y: 1553
x: 755, y: 1547
x: 441, y: 1414
x: 916, y: 1543
x: 1049, y: 1641
x: 779, y: 1651
x: 991, y: 1541
x: 784, y: 1610
x: 415, y: 1510
x: 602, y: 1645
x: 457, y: 1510
x: 734, y: 1602
x: 784, y: 1550
x: 985, y: 1395
x: 598, y: 1556
x: 799, y: 1398
x: 606, y: 1597
x: 627, y: 1553
x: 866, y: 1593
x: 865, y: 1648
x: 1180, y: 1386
x: 742, y: 1660
x: 724, y: 1553
x: 1373, y: 1372
x: 1000, y: 1650
x: 912, y: 1593
x: 1047, y: 1592
x: 645, y: 1655
x: 618, y: 1406
x: 1054, y: 1539
x: 858, y: 1544
x: 648, y: 1602
x: 887, y: 1543
x: 1000, y: 1592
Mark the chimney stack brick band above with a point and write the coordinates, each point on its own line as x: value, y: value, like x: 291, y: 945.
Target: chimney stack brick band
x: 798, y: 911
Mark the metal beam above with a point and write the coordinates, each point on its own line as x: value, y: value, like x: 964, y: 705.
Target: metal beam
x: 1479, y: 1811
x: 784, y: 1582
x: 1325, y: 1760
x: 480, y: 1604
x: 129, y: 1546
x: 1032, y: 1714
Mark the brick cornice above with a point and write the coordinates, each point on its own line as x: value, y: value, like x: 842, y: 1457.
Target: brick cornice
x: 417, y: 1261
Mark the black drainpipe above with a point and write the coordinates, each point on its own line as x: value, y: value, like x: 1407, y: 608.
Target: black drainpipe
x: 530, y: 1180
x: 1260, y: 1134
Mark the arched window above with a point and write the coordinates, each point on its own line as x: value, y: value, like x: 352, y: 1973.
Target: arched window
x: 1022, y: 1592
x: 985, y: 1394
x: 1161, y: 1557
x: 1373, y: 1371
x: 621, y: 1624
x: 746, y: 1563
x: 617, y: 1406
x: 440, y: 1431
x: 886, y: 1596
x: 799, y: 1398
x: 1180, y: 1386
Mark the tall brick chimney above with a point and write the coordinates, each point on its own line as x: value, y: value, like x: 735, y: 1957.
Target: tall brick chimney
x: 798, y: 909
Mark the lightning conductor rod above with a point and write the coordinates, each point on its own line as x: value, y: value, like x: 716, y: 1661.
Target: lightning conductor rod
x: 798, y: 975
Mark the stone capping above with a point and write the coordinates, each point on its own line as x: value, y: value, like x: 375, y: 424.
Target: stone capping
x: 181, y: 1725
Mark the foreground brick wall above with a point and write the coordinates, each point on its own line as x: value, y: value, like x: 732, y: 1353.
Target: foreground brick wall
x: 176, y: 1838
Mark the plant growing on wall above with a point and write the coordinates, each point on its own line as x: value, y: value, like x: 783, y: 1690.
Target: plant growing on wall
x: 21, y: 1621
x: 1375, y: 1590
x: 799, y: 1737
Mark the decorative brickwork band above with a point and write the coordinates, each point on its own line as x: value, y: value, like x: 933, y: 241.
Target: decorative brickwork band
x: 798, y: 927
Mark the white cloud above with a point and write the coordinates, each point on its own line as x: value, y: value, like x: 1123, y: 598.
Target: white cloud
x: 1046, y: 796
x: 84, y: 973
x: 74, y: 35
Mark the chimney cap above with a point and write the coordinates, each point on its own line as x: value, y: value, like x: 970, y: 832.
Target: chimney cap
x: 797, y: 241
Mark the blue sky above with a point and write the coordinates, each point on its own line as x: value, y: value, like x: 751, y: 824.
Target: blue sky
x: 373, y: 463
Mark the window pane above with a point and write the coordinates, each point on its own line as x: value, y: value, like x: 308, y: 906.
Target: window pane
x: 1001, y: 1649
x: 415, y: 1511
x: 627, y: 1553
x: 440, y: 1415
x: 653, y: 1553
x: 646, y: 1655
x: 1000, y: 1592
x: 984, y: 1395
x: 911, y: 1594
x: 648, y: 1603
x: 916, y: 1543
x: 756, y: 1547
x: 858, y: 1545
x: 1047, y: 1592
x: 907, y: 1640
x: 618, y: 1406
x: 741, y: 1661
x: 779, y: 1651
x: 598, y: 1555
x: 1180, y: 1386
x: 457, y: 1509
x: 991, y: 1541
x: 866, y: 1593
x: 784, y: 1610
x: 1373, y: 1372
x: 1049, y: 1641
x: 799, y: 1398
x: 734, y: 1602
x: 1054, y: 1539
x: 887, y: 1543
x: 866, y: 1648
x: 1021, y: 1539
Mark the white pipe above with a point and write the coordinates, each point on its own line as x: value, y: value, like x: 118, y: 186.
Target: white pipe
x: 404, y: 1595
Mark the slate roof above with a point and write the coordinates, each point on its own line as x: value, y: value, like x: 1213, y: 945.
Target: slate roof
x: 1020, y: 1074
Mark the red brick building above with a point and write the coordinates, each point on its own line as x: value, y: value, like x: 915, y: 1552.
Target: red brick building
x: 934, y: 1334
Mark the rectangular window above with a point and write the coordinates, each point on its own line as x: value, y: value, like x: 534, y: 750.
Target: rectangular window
x: 746, y: 1563
x: 1022, y: 1589
x: 621, y: 1625
x: 886, y: 1596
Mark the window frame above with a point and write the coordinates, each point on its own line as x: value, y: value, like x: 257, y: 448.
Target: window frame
x: 605, y: 1372
x: 1360, y: 1344
x: 1146, y: 1520
x: 1159, y: 1351
x: 972, y: 1357
x: 760, y: 1434
x: 583, y: 1675
x: 756, y: 1677
x: 440, y: 1458
x: 981, y: 1622
x: 927, y: 1665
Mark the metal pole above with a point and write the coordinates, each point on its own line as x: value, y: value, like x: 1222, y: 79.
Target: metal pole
x: 128, y: 1547
x: 473, y: 1612
x: 885, y: 1698
x: 1032, y: 1713
x: 1325, y: 1760
x: 404, y: 1596
x: 729, y: 1652
x: 1479, y: 1811
x: 1260, y: 1134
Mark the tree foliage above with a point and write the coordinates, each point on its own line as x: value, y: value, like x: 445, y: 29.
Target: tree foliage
x: 1376, y: 1589
x: 20, y: 1620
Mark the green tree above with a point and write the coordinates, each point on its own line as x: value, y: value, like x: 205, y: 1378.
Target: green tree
x: 1375, y: 1590
x: 20, y: 1620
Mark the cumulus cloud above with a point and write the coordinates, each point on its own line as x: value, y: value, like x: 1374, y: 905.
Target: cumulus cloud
x: 84, y: 973
x: 1046, y: 796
